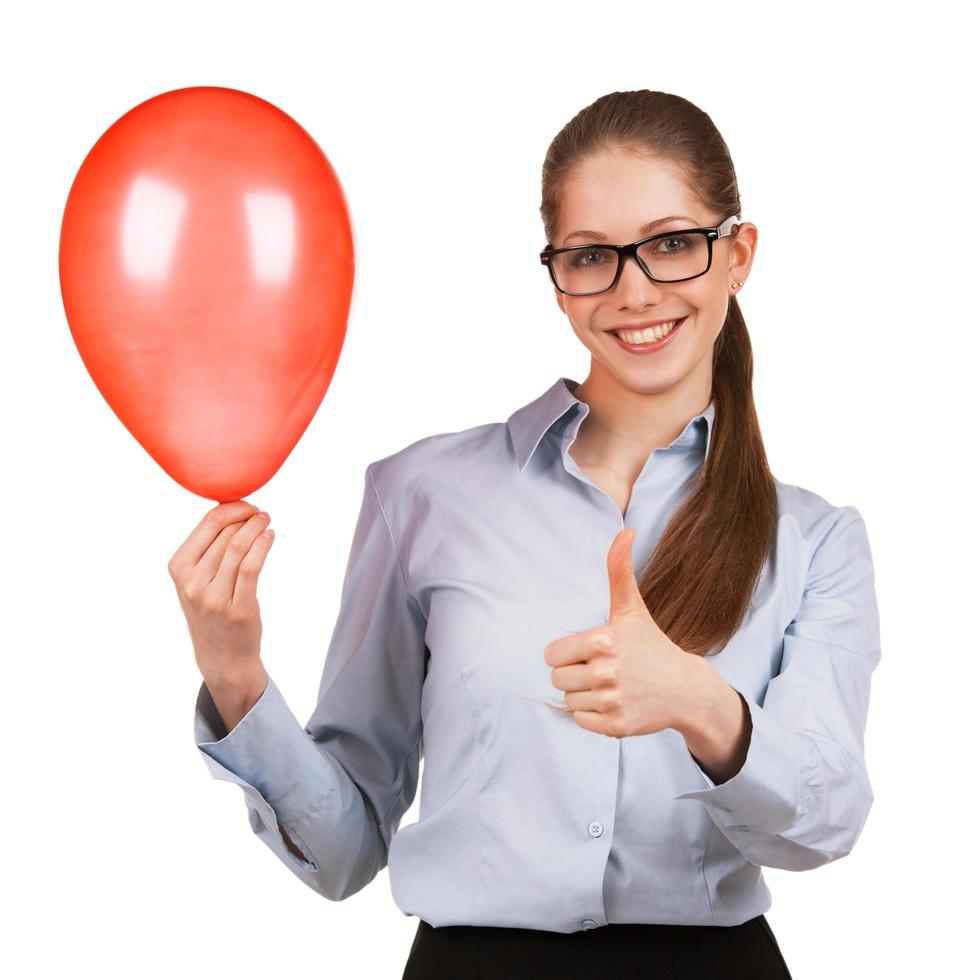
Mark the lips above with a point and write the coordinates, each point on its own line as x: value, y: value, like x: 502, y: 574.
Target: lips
x: 644, y: 326
x: 651, y: 347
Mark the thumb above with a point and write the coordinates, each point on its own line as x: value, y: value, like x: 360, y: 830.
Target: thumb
x: 625, y: 594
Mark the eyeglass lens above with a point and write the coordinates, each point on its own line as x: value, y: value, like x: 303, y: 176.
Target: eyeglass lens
x: 591, y: 269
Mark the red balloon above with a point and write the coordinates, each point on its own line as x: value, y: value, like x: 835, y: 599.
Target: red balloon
x: 206, y: 268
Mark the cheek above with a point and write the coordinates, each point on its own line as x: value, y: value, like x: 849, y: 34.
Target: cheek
x: 708, y: 327
x: 580, y: 315
x: 712, y: 310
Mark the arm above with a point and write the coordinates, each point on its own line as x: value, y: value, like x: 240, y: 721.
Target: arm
x: 328, y: 797
x: 802, y: 793
x: 234, y: 705
x: 232, y: 701
x: 718, y: 738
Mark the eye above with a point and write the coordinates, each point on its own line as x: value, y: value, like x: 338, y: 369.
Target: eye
x: 678, y: 243
x: 588, y: 257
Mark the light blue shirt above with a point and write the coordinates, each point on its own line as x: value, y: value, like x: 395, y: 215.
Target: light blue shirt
x: 473, y: 550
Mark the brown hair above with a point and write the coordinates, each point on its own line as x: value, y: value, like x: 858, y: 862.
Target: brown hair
x: 702, y: 574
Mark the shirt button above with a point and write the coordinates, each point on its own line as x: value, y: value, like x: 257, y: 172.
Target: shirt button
x: 595, y: 828
x: 588, y: 924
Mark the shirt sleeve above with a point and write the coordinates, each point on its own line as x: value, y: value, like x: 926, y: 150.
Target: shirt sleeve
x: 803, y: 794
x: 338, y: 786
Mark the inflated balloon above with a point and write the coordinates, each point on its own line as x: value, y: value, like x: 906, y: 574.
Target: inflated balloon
x: 206, y: 268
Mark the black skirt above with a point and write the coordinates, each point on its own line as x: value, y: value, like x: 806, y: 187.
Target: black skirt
x: 613, y: 952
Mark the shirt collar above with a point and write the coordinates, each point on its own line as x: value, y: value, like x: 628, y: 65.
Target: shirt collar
x: 529, y: 424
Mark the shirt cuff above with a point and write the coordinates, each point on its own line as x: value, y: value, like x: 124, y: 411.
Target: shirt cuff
x: 268, y: 751
x: 762, y: 798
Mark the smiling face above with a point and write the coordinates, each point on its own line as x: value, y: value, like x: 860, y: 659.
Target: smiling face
x: 616, y: 194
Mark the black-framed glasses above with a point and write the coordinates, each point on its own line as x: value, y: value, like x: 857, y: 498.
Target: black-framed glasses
x: 672, y: 256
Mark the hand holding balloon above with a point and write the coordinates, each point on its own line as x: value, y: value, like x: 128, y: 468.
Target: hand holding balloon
x: 216, y: 573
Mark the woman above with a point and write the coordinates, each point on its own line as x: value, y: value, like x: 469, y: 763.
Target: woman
x: 620, y: 727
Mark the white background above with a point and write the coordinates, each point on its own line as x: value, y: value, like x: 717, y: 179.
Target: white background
x: 120, y: 852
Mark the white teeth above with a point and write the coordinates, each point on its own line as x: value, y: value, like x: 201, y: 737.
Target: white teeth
x: 647, y: 335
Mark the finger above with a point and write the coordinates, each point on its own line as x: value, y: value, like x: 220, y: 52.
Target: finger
x: 625, y: 593
x: 585, y: 701
x: 593, y: 721
x: 207, y: 567
x: 223, y: 584
x: 579, y: 647
x: 246, y: 582
x: 209, y: 527
x: 572, y: 677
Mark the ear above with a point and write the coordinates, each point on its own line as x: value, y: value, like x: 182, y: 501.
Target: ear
x: 743, y: 245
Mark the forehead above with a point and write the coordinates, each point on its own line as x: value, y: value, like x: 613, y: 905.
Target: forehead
x: 620, y: 189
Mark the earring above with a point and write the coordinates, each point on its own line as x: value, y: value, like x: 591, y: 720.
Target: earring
x: 735, y: 285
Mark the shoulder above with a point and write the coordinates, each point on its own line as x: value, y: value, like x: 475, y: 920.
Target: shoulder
x: 806, y: 519
x: 444, y: 461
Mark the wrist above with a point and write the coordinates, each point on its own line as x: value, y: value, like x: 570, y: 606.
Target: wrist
x: 236, y: 696
x: 707, y: 692
x: 238, y: 685
x: 718, y: 731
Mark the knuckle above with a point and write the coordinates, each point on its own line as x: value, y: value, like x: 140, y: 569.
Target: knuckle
x: 209, y: 605
x: 603, y: 640
x: 237, y: 615
x: 237, y: 548
x: 602, y: 673
x: 229, y: 532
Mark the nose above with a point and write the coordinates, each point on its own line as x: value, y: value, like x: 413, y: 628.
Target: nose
x: 633, y: 287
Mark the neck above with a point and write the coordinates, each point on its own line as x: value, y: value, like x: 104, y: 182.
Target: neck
x: 625, y: 426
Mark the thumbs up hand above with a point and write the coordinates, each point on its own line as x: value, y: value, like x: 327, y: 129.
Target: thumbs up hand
x: 627, y: 677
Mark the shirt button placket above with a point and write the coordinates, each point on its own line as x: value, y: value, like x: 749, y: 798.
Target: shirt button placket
x: 595, y: 829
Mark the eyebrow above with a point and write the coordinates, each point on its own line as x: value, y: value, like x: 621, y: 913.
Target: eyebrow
x: 599, y: 236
